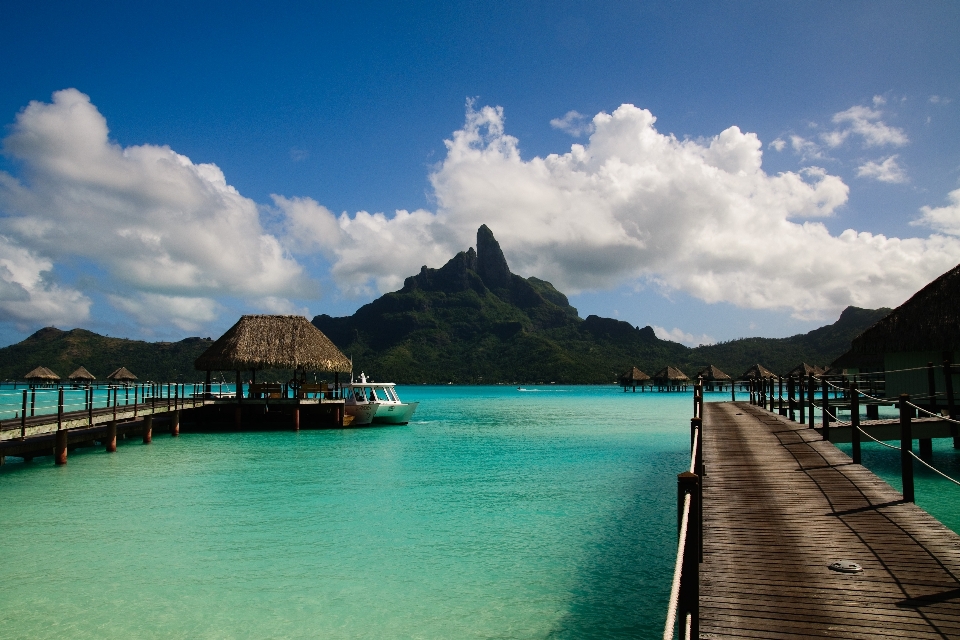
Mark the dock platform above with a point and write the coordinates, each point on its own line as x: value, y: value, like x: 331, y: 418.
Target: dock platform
x: 779, y: 506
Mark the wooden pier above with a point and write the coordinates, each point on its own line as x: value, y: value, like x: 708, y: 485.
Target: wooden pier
x: 780, y: 505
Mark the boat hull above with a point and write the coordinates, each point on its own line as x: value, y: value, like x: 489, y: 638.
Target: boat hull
x: 395, y: 413
x: 363, y: 414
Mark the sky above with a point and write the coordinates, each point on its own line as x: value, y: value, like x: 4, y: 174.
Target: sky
x: 714, y: 170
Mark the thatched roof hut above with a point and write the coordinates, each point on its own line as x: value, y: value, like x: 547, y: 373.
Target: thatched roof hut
x: 670, y: 374
x: 928, y: 321
x: 758, y: 371
x: 711, y: 374
x: 804, y: 369
x: 122, y: 375
x: 633, y: 376
x: 273, y: 342
x: 81, y: 375
x: 42, y: 374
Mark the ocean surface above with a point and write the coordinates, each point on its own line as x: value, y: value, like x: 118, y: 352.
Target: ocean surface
x: 497, y: 513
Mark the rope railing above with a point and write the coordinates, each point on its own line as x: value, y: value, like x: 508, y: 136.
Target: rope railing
x: 668, y: 628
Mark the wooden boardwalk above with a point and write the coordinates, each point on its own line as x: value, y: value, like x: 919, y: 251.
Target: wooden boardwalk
x: 779, y: 506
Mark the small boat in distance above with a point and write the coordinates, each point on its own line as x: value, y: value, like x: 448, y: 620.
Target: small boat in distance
x: 389, y: 408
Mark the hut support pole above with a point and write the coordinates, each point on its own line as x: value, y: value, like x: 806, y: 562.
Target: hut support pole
x: 825, y: 410
x: 60, y: 448
x: 296, y: 416
x: 811, y: 395
x: 23, y: 417
x: 111, y: 439
x: 906, y: 445
x: 175, y: 425
x: 206, y: 387
x: 148, y: 430
x: 926, y: 444
x: 791, y: 399
x: 33, y: 399
x: 782, y: 410
x: 59, y: 408
x: 951, y: 407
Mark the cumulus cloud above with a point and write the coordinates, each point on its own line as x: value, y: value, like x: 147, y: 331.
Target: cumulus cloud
x: 778, y: 145
x: 574, y: 123
x: 867, y: 124
x: 633, y: 204
x: 944, y: 219
x: 28, y: 296
x: 186, y: 313
x: 806, y: 149
x: 886, y: 171
x: 939, y: 100
x: 169, y: 231
x: 679, y: 335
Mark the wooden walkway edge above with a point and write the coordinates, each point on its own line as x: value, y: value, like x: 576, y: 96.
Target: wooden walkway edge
x: 779, y: 506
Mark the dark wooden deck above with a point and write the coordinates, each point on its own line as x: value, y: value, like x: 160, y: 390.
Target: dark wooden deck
x: 779, y: 506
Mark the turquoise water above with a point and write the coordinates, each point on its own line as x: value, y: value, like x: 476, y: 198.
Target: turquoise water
x: 497, y: 513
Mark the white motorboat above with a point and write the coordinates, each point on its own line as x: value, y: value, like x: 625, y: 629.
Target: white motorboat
x: 390, y: 409
x: 362, y: 412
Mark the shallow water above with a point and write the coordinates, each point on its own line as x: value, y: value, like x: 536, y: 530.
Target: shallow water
x: 497, y: 513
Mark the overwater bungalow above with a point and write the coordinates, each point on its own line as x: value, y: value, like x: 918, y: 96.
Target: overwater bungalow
x: 81, y: 376
x: 804, y: 369
x: 713, y: 377
x: 42, y: 375
x: 633, y: 377
x: 670, y: 379
x: 258, y: 342
x: 122, y: 375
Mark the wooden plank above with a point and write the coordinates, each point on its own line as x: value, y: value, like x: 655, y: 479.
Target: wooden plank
x: 779, y: 506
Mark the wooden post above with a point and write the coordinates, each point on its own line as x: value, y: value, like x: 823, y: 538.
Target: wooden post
x: 90, y: 408
x: 811, y: 395
x: 148, y: 430
x: 801, y: 398
x: 696, y: 424
x: 951, y: 407
x: 23, y: 417
x: 689, y: 600
x: 296, y: 416
x: 111, y: 439
x: 175, y: 425
x: 825, y: 399
x: 59, y: 408
x: 906, y: 446
x: 136, y: 399
x: 855, y: 422
x: 60, y: 448
x: 239, y: 388
x: 206, y: 387
x: 932, y: 388
x: 733, y: 391
x: 33, y: 399
x: 791, y: 399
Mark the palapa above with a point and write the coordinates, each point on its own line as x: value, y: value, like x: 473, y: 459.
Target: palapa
x: 804, y: 369
x: 273, y: 342
x: 633, y: 375
x: 671, y: 374
x: 42, y: 374
x: 928, y: 321
x: 758, y: 371
x: 81, y: 374
x: 122, y: 375
x: 711, y: 374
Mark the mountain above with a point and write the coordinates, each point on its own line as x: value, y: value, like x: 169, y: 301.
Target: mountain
x: 64, y: 351
x: 474, y: 321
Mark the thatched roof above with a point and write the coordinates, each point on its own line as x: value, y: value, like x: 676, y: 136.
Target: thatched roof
x: 928, y: 321
x: 122, y: 375
x: 273, y: 342
x: 804, y: 369
x: 710, y: 372
x: 758, y: 371
x: 42, y: 374
x: 634, y: 375
x: 670, y: 373
x: 81, y: 374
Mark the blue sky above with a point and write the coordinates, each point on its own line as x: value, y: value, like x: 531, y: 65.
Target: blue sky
x: 111, y: 217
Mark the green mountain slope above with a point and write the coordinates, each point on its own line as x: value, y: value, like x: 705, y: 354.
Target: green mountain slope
x: 64, y: 351
x: 473, y: 321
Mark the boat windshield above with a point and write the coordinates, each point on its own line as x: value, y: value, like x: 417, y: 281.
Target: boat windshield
x: 387, y: 394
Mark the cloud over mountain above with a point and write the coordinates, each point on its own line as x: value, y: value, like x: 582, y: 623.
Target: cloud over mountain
x: 633, y: 204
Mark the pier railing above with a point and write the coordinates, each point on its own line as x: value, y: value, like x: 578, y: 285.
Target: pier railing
x: 684, y: 605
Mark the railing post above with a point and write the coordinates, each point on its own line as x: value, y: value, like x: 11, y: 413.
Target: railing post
x: 801, y: 397
x: 696, y: 429
x: 780, y: 408
x: 951, y: 408
x: 855, y: 422
x: 825, y: 399
x: 689, y: 600
x: 906, y: 446
x: 59, y: 408
x: 136, y: 399
x: 811, y: 396
x: 23, y: 417
x: 90, y: 406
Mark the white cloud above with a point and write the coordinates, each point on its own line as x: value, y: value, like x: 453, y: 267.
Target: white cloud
x: 157, y: 223
x: 940, y: 100
x: 879, y: 101
x: 635, y: 204
x: 574, y: 123
x: 681, y: 336
x: 298, y: 155
x: 28, y: 297
x: 778, y: 145
x: 866, y: 123
x: 806, y: 149
x: 886, y: 171
x: 944, y: 219
x: 151, y: 309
